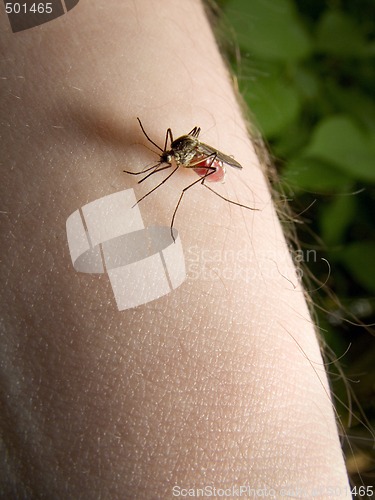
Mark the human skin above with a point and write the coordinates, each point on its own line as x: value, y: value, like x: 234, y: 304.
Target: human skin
x: 218, y: 383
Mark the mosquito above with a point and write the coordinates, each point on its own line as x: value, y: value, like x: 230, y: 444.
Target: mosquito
x: 189, y: 152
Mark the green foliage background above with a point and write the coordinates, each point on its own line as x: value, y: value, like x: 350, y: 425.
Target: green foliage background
x: 307, y: 72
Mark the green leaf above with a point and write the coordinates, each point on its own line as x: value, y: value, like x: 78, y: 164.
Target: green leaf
x: 354, y: 102
x: 338, y: 140
x: 359, y: 259
x: 339, y: 35
x: 292, y: 140
x: 306, y: 82
x: 268, y: 29
x: 274, y: 103
x: 310, y: 174
x: 336, y: 218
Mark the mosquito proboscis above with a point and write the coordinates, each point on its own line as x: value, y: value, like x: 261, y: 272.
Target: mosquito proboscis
x: 189, y: 152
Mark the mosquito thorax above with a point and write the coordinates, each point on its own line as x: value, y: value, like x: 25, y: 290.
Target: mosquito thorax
x: 183, y: 149
x: 184, y: 142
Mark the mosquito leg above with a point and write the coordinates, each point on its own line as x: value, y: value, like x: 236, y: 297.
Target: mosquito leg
x: 182, y: 194
x: 195, y: 132
x: 199, y: 161
x: 147, y: 137
x: 219, y: 195
x: 227, y: 199
x: 170, y: 135
x: 142, y: 171
x: 156, y: 187
x: 154, y: 172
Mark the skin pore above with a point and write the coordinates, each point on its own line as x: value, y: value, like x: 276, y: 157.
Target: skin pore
x: 206, y: 386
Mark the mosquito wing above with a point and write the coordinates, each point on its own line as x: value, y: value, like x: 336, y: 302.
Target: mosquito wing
x: 208, y: 150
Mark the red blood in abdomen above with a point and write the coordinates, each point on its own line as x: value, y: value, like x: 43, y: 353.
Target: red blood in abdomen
x: 217, y: 176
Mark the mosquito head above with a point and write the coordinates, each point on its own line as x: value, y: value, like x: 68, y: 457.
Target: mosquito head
x: 166, y: 156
